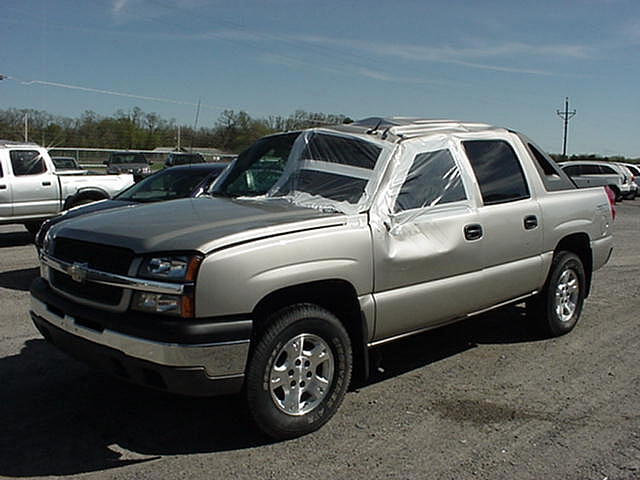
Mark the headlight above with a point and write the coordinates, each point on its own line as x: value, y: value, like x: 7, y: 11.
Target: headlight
x: 169, y: 268
x: 172, y: 268
x: 46, y: 241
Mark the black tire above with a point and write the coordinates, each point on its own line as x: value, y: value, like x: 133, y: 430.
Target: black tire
x: 558, y: 307
x: 84, y: 201
x: 33, y: 227
x: 322, y: 379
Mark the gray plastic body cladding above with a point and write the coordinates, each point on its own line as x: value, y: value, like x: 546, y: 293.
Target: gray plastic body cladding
x: 233, y: 280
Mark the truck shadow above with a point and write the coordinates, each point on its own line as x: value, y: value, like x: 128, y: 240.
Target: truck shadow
x: 18, y: 279
x: 501, y: 326
x: 59, y: 418
x: 15, y: 239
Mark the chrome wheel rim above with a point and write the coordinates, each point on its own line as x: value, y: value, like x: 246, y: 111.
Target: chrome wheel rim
x: 301, y: 374
x: 567, y: 292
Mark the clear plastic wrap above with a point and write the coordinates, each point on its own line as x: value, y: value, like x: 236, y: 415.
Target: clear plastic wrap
x: 323, y: 169
x: 425, y: 176
x: 344, y: 172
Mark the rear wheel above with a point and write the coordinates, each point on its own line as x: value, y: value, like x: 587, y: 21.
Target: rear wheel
x: 84, y: 200
x: 558, y: 307
x: 299, y: 372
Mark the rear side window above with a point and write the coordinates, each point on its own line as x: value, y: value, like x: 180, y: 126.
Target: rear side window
x: 433, y: 179
x: 497, y: 170
x: 27, y: 162
x: 553, y: 178
x: 608, y: 170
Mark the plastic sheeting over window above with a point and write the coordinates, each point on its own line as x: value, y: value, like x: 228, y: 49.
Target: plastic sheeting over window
x: 328, y: 168
x: 433, y: 179
x: 314, y: 168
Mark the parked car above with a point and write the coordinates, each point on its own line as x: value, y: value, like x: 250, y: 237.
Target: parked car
x: 169, y: 184
x: 128, y: 162
x: 32, y: 190
x: 635, y: 172
x: 589, y: 173
x: 68, y: 166
x: 279, y: 287
x: 179, y: 158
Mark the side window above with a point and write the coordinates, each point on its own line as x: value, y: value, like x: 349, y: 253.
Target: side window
x: 27, y: 162
x: 589, y: 169
x: 498, y: 171
x: 553, y: 178
x: 433, y: 179
x: 608, y: 170
x: 1, y: 174
x: 572, y: 170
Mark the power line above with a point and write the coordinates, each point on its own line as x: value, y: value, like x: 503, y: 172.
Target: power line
x: 109, y: 92
x: 566, y: 116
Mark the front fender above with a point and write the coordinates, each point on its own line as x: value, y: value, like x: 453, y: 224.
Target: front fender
x: 232, y: 281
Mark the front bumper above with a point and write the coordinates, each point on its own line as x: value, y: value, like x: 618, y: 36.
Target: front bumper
x: 191, y: 357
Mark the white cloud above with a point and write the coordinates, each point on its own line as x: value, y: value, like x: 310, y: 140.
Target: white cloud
x: 118, y: 6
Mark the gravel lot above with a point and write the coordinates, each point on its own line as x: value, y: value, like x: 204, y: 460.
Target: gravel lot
x: 486, y: 398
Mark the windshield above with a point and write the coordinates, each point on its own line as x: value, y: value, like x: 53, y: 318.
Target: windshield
x: 313, y: 168
x: 166, y: 185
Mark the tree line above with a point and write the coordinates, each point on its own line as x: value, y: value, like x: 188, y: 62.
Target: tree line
x: 135, y: 129
x: 232, y: 132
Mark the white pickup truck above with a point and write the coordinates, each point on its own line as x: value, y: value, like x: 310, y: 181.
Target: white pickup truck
x: 31, y: 190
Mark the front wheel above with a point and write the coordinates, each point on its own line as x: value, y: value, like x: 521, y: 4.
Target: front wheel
x: 299, y: 372
x: 33, y: 227
x: 557, y: 308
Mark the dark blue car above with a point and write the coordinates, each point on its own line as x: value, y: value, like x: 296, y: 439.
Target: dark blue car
x: 169, y: 184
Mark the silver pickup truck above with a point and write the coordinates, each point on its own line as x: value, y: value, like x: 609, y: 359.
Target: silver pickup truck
x: 32, y: 190
x: 314, y: 247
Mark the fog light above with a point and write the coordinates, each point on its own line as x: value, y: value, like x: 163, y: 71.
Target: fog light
x: 157, y: 303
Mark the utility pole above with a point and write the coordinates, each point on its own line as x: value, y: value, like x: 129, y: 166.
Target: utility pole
x: 26, y: 127
x: 566, y: 116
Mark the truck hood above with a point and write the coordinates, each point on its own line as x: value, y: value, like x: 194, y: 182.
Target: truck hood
x: 201, y: 224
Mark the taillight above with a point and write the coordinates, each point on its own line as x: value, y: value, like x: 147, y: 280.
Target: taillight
x: 612, y: 200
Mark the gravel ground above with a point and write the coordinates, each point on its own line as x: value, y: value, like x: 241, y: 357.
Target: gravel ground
x: 483, y: 399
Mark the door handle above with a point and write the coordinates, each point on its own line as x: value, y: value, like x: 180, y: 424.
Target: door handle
x: 530, y: 222
x: 3, y: 187
x: 473, y: 231
x: 46, y: 184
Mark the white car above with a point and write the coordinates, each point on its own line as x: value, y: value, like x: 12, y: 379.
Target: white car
x: 589, y: 173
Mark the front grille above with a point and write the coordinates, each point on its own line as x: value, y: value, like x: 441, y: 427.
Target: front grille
x: 105, y: 258
x: 90, y: 291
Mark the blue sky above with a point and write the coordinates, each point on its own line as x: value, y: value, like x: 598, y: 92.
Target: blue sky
x: 509, y: 63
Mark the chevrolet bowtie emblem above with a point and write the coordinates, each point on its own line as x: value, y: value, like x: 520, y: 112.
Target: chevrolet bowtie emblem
x: 78, y: 272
